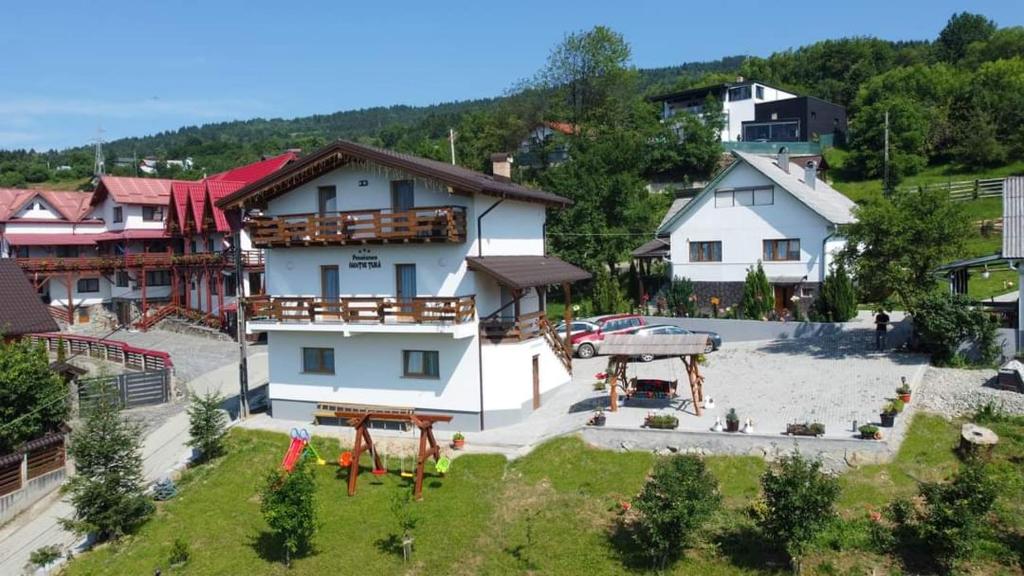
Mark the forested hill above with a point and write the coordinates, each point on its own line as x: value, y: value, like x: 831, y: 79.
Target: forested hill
x: 219, y: 146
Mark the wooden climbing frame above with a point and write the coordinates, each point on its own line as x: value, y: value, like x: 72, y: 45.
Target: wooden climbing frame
x: 428, y: 445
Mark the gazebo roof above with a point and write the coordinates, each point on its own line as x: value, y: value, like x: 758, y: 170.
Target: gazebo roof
x: 657, y: 344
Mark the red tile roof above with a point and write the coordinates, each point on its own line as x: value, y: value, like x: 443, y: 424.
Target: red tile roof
x: 562, y: 127
x: 256, y: 170
x: 132, y: 190
x: 72, y: 206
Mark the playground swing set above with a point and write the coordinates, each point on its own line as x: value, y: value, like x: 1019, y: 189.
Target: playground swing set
x: 428, y: 448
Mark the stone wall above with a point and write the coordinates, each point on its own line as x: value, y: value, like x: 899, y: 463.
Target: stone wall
x: 730, y: 294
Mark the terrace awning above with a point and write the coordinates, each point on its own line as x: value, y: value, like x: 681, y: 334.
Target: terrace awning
x: 521, y: 272
x: 51, y: 239
x: 656, y: 344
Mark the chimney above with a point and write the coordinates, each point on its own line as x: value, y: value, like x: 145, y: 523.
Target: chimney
x: 739, y: 78
x: 501, y: 165
x: 783, y: 159
x: 810, y: 174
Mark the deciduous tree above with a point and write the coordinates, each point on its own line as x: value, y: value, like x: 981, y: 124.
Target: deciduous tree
x: 33, y: 399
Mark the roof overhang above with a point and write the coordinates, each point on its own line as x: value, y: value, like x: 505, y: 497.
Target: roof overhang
x: 341, y: 152
x: 656, y: 344
x: 521, y: 272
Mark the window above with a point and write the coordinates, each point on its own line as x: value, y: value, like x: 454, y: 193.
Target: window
x: 759, y: 92
x: 158, y: 278
x: 782, y: 250
x: 401, y: 195
x: 88, y: 285
x: 330, y: 288
x: 318, y: 360
x: 774, y: 131
x: 21, y: 252
x: 118, y: 214
x: 327, y: 199
x: 420, y: 364
x: 229, y: 286
x: 121, y: 279
x: 706, y: 251
x: 209, y: 245
x: 739, y: 93
x: 67, y: 251
x: 153, y: 213
x: 754, y: 196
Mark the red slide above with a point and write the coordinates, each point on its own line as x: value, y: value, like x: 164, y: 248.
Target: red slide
x: 293, y: 454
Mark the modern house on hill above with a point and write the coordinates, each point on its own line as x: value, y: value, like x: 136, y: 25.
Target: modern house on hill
x: 738, y: 101
x: 405, y: 284
x: 799, y: 119
x: 758, y: 209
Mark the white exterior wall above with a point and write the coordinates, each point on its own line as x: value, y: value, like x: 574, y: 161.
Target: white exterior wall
x: 132, y: 216
x: 743, y: 110
x: 369, y: 366
x: 741, y: 229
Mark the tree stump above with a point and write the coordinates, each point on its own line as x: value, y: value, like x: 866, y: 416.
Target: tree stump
x: 977, y: 441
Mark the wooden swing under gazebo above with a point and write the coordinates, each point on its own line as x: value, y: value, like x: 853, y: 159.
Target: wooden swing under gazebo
x: 360, y: 418
x: 625, y: 348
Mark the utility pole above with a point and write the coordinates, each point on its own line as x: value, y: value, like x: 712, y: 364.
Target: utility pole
x: 99, y: 166
x: 243, y: 360
x: 451, y: 143
x: 885, y: 168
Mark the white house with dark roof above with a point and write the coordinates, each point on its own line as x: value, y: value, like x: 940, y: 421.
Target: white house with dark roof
x: 760, y: 208
x: 404, y: 283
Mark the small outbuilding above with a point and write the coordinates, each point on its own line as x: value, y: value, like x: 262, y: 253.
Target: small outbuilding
x: 21, y: 310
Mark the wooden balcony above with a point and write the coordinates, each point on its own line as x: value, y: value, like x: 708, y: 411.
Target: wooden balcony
x: 427, y: 224
x: 363, y: 310
x: 525, y: 327
x: 152, y: 260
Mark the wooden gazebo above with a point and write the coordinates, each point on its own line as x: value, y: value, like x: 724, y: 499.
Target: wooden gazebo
x: 624, y: 348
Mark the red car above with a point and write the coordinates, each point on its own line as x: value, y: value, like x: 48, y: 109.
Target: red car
x: 587, y: 344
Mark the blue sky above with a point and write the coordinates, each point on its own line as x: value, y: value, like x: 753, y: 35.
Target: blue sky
x: 142, y: 67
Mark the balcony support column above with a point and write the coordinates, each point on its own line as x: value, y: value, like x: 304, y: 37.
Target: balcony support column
x: 567, y: 290
x: 142, y: 283
x: 209, y: 291
x: 220, y: 293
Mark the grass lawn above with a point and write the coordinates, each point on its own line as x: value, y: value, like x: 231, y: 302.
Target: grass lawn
x: 550, y: 513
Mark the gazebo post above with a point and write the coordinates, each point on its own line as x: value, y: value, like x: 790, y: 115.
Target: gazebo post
x: 567, y: 314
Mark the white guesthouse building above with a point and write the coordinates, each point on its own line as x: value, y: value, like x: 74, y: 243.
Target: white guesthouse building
x: 396, y: 281
x: 760, y: 208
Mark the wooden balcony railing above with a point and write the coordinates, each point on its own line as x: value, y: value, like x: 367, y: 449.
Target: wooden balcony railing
x: 363, y: 310
x: 428, y: 224
x: 156, y: 260
x: 525, y: 327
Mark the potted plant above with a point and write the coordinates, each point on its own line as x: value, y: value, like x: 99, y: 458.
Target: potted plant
x: 597, y: 419
x: 889, y: 412
x: 732, y: 421
x: 870, y: 432
x: 662, y: 421
x: 904, y: 392
x: 458, y: 441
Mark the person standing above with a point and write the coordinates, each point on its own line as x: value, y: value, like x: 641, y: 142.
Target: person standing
x: 881, y: 329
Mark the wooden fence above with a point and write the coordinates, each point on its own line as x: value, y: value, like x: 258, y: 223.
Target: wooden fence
x: 34, y: 470
x: 110, y: 350
x: 962, y: 190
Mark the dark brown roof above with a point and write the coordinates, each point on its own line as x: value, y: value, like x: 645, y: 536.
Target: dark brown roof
x: 21, y: 310
x: 342, y: 151
x: 652, y: 249
x: 527, y: 271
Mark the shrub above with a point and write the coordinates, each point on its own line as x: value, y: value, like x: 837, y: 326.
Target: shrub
x: 288, y: 504
x: 942, y: 323
x: 608, y: 295
x: 951, y: 519
x: 837, y: 300
x: 894, y: 406
x: 164, y: 489
x: 758, y: 300
x: 677, y: 499
x: 868, y: 431
x: 799, y: 500
x: 681, y: 299
x: 44, y: 555
x: 179, y: 553
x: 206, y: 422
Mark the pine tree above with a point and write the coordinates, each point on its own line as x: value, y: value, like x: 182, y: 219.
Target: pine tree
x: 206, y: 421
x: 107, y: 490
x: 757, y: 302
x: 837, y: 301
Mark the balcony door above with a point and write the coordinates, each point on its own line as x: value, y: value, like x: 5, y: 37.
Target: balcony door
x: 327, y: 209
x: 401, y: 201
x: 330, y: 292
x: 405, y: 289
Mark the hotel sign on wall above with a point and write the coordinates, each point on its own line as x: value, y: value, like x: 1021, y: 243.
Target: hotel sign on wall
x: 364, y: 259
